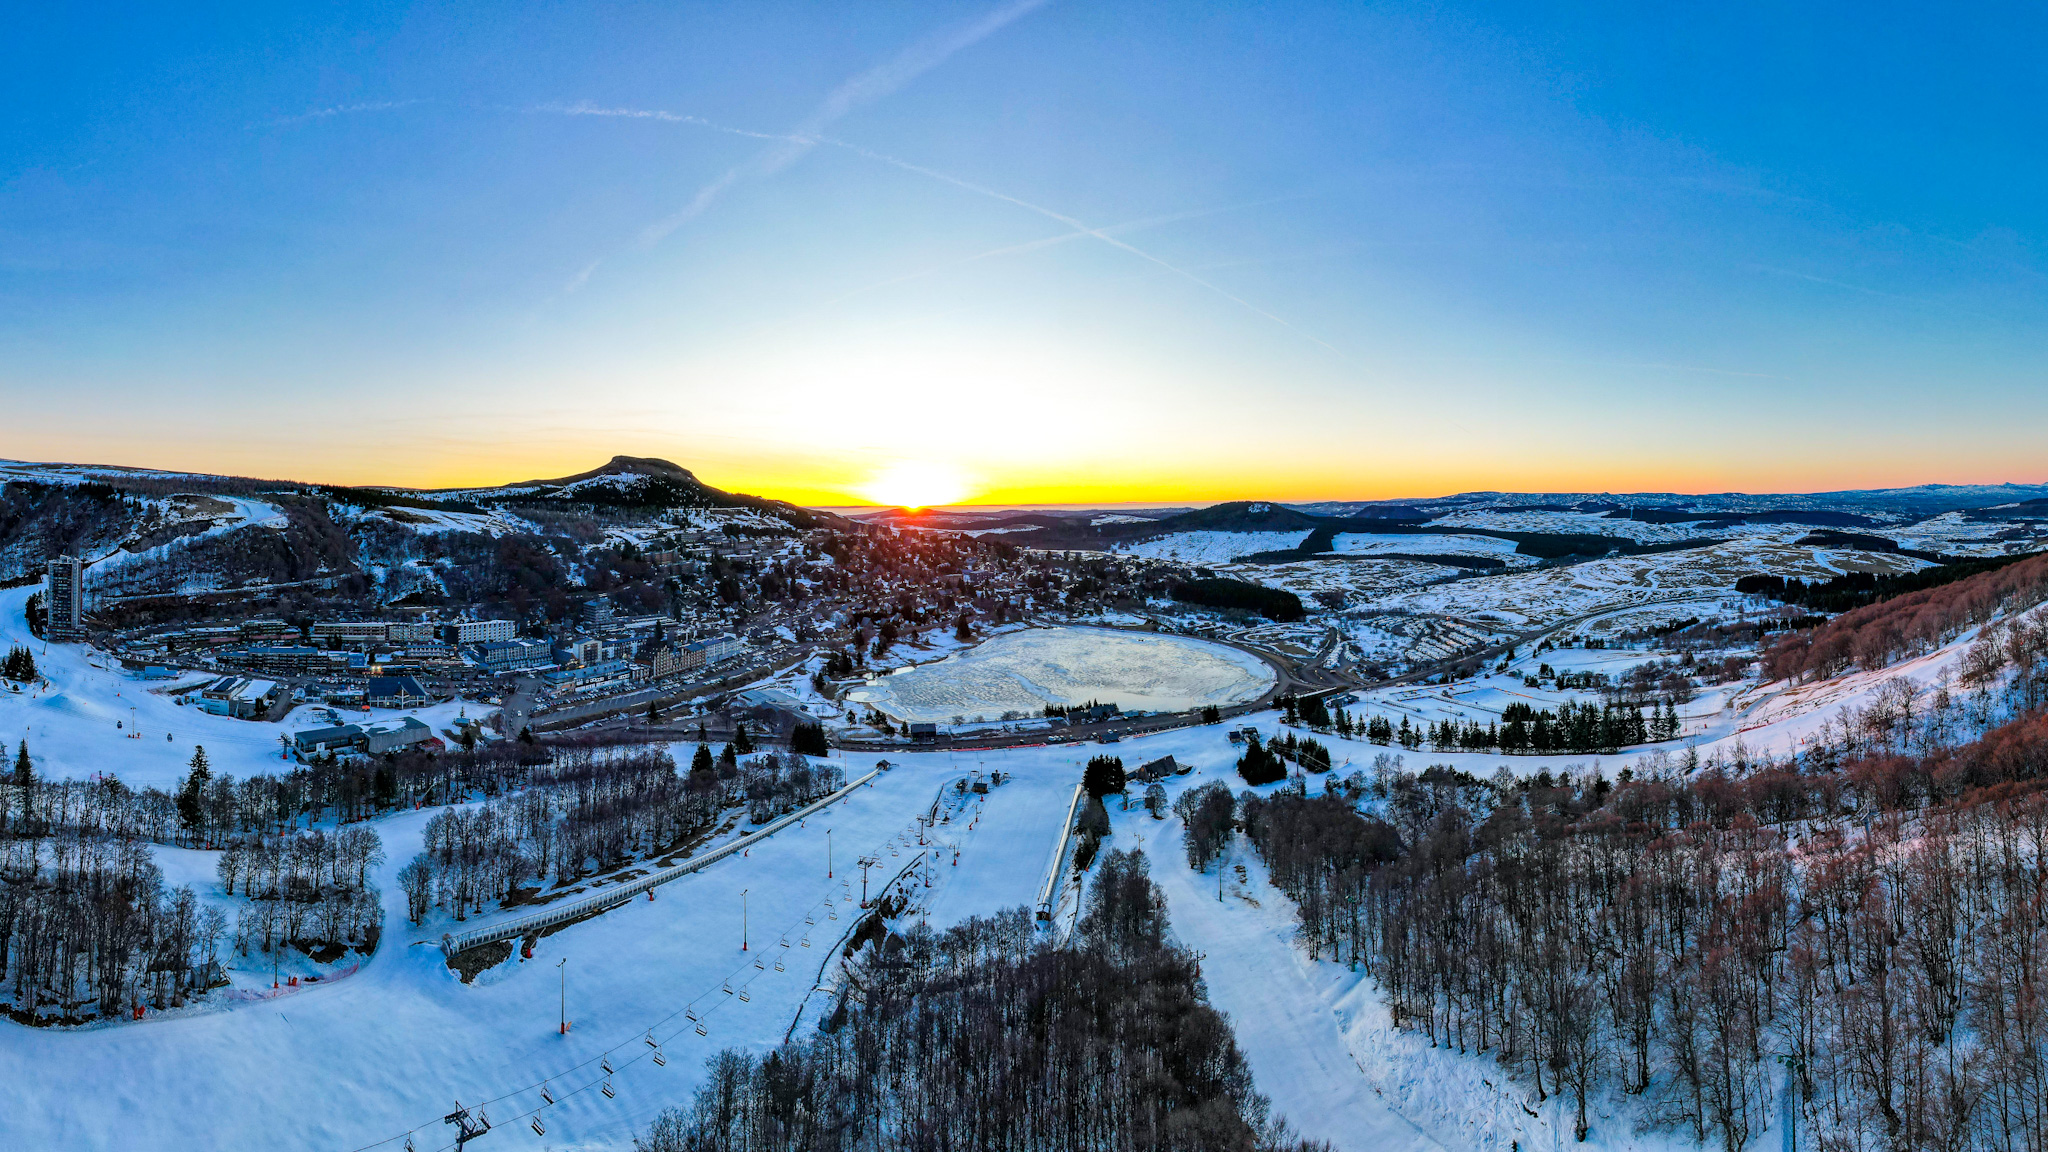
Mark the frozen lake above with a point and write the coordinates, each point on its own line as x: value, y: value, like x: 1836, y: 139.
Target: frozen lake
x: 1024, y: 671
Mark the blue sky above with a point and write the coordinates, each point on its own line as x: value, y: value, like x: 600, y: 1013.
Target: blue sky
x: 1052, y: 251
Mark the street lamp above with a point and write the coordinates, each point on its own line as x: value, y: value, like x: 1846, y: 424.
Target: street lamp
x: 743, y: 919
x: 828, y: 853
x: 561, y: 966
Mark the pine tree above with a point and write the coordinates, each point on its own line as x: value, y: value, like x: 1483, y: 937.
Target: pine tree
x: 742, y: 740
x: 24, y: 771
x: 192, y: 795
x: 701, y: 762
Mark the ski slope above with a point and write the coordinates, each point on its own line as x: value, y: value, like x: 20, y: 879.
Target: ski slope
x: 79, y: 725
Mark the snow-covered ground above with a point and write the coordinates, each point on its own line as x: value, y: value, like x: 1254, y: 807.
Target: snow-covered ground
x: 1320, y: 1041
x: 1430, y: 544
x: 1024, y: 671
x: 85, y: 719
x: 1213, y: 547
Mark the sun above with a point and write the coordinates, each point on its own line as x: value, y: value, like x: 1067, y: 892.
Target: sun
x: 916, y: 484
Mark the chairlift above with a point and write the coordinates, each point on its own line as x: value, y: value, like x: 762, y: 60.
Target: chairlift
x: 806, y: 941
x: 539, y: 1129
x: 545, y: 1094
x: 690, y: 1014
x: 652, y: 1042
x: 726, y: 988
x: 778, y: 964
x: 744, y: 997
x: 759, y: 963
x: 660, y: 1061
x: 607, y: 1090
x: 606, y: 1064
x: 701, y: 1031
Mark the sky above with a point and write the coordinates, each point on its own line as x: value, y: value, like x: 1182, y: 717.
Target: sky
x: 1032, y: 251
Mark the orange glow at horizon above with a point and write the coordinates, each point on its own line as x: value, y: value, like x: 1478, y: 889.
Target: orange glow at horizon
x: 1197, y: 476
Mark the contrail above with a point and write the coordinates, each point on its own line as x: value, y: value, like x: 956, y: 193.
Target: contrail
x: 1046, y: 242
x: 806, y: 143
x: 864, y: 88
x: 340, y: 110
x: 1098, y: 233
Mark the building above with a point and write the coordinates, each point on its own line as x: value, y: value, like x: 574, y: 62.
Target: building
x: 384, y: 736
x: 1160, y: 769
x: 265, y: 629
x: 409, y: 632
x: 281, y: 658
x: 923, y: 733
x: 616, y: 668
x: 498, y: 656
x: 351, y: 633
x: 393, y: 692
x: 464, y: 633
x: 337, y: 738
x: 65, y: 603
x: 597, y: 612
x: 582, y: 650
x: 663, y: 661
x: 711, y: 652
x: 242, y: 697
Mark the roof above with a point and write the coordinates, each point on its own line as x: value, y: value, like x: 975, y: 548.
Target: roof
x: 399, y: 724
x: 326, y: 735
x: 393, y: 686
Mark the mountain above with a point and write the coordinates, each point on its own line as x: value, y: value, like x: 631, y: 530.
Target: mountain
x: 642, y: 483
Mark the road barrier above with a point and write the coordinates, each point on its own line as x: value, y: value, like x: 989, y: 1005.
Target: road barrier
x: 454, y: 942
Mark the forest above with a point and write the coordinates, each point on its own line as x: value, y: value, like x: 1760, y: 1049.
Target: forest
x: 1275, y: 604
x: 1906, y: 623
x: 590, y: 812
x: 1868, y: 930
x: 991, y: 1035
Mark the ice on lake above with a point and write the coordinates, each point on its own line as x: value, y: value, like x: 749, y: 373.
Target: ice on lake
x: 1024, y: 671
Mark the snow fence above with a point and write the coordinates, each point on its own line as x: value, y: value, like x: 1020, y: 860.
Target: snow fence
x: 454, y: 942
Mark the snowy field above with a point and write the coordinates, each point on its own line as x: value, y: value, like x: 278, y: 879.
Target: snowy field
x: 389, y: 1049
x: 1213, y: 548
x: 93, y: 718
x: 1430, y: 544
x: 1024, y: 671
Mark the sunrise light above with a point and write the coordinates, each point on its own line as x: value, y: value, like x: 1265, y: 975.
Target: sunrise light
x: 916, y: 484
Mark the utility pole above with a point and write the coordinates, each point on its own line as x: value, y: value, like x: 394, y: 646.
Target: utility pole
x: 561, y: 966
x: 866, y: 862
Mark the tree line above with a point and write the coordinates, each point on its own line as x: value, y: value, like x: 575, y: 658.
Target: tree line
x: 309, y: 889
x: 593, y: 812
x: 989, y: 1035
x: 1658, y: 936
x: 1886, y: 630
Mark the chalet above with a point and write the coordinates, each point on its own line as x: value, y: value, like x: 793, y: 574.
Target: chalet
x: 393, y: 692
